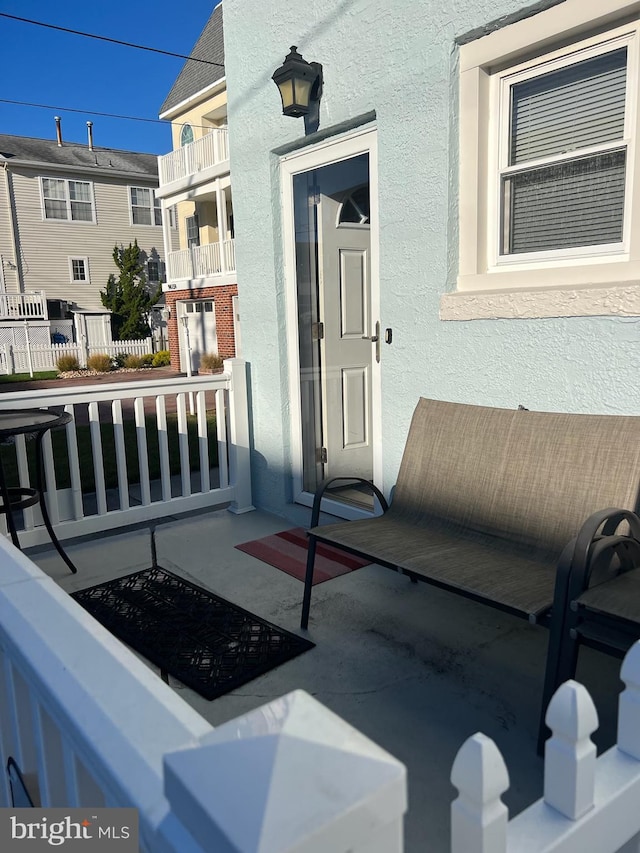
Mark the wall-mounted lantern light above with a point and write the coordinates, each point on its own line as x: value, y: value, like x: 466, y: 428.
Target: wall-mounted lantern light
x: 300, y: 85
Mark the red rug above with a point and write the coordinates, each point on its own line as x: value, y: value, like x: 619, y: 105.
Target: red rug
x: 287, y: 551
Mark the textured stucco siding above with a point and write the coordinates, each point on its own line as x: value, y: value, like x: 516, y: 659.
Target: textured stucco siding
x: 400, y: 60
x: 46, y: 245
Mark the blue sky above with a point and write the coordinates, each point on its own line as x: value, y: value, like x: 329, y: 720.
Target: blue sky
x: 43, y: 66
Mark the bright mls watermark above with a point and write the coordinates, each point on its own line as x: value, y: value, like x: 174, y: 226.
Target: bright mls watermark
x: 36, y: 829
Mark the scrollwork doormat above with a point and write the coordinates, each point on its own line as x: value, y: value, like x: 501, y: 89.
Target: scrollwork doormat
x: 206, y: 642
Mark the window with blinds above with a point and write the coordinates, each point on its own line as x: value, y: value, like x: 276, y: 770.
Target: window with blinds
x: 563, y: 183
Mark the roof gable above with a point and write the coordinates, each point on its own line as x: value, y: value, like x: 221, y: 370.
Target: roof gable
x: 196, y: 76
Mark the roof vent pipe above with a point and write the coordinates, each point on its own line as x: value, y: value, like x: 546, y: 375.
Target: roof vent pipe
x: 59, y: 131
x: 90, y: 134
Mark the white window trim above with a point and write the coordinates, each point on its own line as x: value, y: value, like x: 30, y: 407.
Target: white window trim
x: 45, y: 218
x: 570, y: 286
x: 85, y: 260
x: 153, y: 207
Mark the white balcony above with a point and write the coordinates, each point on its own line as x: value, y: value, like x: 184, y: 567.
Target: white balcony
x: 205, y: 157
x: 23, y: 306
x: 211, y: 259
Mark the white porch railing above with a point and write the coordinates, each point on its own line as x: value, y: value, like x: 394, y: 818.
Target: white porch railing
x: 200, y: 261
x: 89, y: 725
x: 101, y: 412
x: 209, y: 150
x: 23, y: 306
x: 590, y: 805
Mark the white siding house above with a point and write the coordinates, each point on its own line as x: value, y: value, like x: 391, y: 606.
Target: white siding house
x: 63, y: 208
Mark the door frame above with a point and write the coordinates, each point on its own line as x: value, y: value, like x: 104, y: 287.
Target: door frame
x: 333, y: 150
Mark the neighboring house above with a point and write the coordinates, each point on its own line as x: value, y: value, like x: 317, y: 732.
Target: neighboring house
x: 200, y: 289
x: 471, y: 199
x: 63, y: 208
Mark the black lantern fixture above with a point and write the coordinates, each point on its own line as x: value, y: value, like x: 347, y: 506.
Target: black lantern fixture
x: 300, y: 85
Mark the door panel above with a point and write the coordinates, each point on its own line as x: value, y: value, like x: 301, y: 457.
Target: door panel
x: 345, y: 300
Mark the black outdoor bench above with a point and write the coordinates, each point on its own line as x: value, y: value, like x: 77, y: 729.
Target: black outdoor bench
x: 529, y: 512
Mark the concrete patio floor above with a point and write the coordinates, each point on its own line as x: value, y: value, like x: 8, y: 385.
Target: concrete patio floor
x: 414, y: 668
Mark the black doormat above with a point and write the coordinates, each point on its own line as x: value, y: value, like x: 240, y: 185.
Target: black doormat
x: 203, y: 640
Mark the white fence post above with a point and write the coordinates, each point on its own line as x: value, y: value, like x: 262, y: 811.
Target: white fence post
x: 478, y: 815
x: 239, y: 451
x: 570, y: 754
x: 288, y: 776
x: 629, y: 704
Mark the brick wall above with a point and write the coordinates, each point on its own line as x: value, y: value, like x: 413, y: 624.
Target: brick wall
x: 222, y: 298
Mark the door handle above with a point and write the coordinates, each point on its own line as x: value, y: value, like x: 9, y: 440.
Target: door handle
x: 375, y: 339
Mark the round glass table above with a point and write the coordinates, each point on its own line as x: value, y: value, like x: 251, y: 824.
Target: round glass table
x: 34, y: 422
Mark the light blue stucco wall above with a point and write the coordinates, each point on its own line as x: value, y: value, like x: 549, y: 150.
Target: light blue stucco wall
x: 397, y: 58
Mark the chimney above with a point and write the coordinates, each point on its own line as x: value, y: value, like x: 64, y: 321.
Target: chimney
x: 59, y: 131
x: 90, y: 134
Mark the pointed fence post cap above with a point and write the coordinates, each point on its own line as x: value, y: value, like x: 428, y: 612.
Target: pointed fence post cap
x: 286, y: 772
x: 479, y: 772
x: 571, y: 714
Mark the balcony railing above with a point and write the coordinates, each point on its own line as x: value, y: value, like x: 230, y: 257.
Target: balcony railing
x: 185, y: 476
x: 201, y: 261
x: 23, y: 306
x: 209, y: 150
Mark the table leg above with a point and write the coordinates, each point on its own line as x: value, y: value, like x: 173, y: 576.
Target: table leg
x: 6, y: 505
x: 43, y: 503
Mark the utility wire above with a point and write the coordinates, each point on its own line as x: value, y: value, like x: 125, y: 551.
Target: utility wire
x: 96, y: 113
x: 112, y: 41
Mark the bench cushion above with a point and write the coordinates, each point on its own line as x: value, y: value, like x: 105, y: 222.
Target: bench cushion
x: 477, y: 566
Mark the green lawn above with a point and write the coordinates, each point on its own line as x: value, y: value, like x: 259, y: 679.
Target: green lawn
x: 85, y: 452
x: 26, y: 377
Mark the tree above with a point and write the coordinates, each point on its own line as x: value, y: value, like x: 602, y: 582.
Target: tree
x: 128, y: 296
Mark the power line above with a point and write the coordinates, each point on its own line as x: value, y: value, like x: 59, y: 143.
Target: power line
x: 105, y: 38
x: 96, y: 113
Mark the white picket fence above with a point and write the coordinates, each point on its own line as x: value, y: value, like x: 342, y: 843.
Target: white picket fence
x: 38, y: 357
x: 590, y: 804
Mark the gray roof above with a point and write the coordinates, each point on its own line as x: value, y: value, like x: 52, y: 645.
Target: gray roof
x: 26, y: 148
x: 196, y: 76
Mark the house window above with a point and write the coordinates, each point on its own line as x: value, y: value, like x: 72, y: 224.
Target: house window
x: 153, y: 270
x: 186, y: 134
x: 63, y: 199
x: 79, y: 269
x: 548, y: 222
x: 193, y: 232
x: 564, y: 155
x: 145, y: 207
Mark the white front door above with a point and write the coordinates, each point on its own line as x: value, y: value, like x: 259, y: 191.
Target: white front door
x: 198, y: 332
x: 346, y: 348
x: 334, y: 301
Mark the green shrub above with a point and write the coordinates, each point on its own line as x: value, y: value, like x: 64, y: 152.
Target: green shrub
x: 134, y: 362
x: 67, y: 363
x: 100, y: 362
x: 211, y: 361
x: 147, y: 359
x: 119, y: 360
x: 161, y: 358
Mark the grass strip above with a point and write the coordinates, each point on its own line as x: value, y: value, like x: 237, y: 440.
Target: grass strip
x: 86, y: 460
